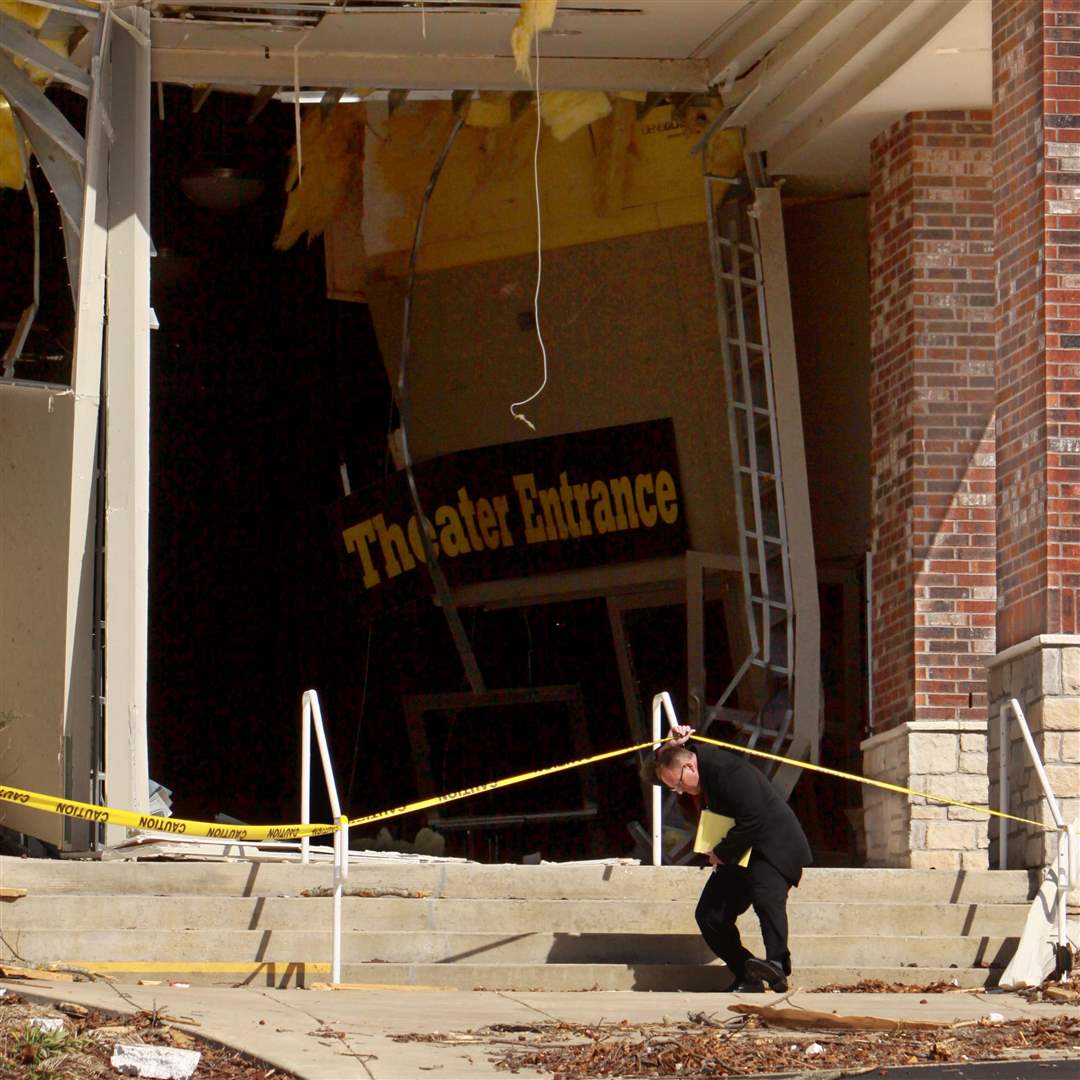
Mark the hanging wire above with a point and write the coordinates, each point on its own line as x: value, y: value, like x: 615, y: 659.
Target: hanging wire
x: 438, y: 578
x: 539, y: 255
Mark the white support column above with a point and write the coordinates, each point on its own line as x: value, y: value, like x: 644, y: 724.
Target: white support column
x: 89, y: 290
x: 127, y: 437
x: 804, y: 586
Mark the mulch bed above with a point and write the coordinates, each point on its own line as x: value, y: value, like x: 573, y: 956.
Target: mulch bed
x: 82, y: 1051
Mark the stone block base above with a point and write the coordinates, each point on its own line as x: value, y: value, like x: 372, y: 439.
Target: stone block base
x: 1043, y: 675
x: 941, y: 757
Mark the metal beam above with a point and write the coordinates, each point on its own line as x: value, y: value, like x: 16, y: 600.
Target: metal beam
x: 782, y: 110
x: 16, y: 39
x: 34, y: 106
x: 65, y: 175
x: 738, y: 51
x: 247, y: 67
x: 865, y: 81
x: 751, y: 94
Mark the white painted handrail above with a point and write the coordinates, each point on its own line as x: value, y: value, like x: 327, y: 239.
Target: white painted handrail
x: 1063, y: 870
x: 661, y: 701
x: 311, y: 715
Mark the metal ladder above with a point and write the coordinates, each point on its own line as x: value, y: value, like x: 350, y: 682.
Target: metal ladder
x: 759, y: 495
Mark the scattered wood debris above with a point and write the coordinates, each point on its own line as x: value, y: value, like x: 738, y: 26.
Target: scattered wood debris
x: 743, y: 1045
x: 403, y: 894
x: 809, y: 1020
x: 878, y: 986
x: 21, y: 971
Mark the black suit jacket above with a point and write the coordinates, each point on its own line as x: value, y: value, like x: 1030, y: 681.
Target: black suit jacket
x: 731, y: 785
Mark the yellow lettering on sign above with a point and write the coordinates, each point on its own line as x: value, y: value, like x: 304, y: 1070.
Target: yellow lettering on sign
x: 623, y: 495
x: 667, y: 501
x: 467, y: 512
x: 358, y: 538
x: 642, y: 484
x: 525, y: 486
x: 452, y: 537
x: 602, y: 515
x: 395, y: 549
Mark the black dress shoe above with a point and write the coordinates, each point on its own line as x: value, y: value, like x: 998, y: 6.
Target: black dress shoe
x: 769, y: 971
x: 747, y: 986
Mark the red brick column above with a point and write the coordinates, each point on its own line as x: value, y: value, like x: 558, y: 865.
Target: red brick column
x: 932, y: 401
x: 1036, y: 57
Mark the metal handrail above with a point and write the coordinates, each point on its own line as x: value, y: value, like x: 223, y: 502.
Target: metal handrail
x: 311, y: 715
x: 661, y: 701
x: 1063, y: 869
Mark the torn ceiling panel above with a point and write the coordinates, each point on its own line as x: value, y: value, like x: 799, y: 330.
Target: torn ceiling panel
x: 810, y: 78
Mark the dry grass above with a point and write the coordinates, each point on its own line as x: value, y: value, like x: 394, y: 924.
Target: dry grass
x: 83, y: 1048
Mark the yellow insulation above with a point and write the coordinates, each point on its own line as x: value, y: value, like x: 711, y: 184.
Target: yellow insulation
x: 33, y: 15
x: 11, y: 166
x: 333, y: 153
x: 535, y: 15
x: 567, y: 111
x: 488, y: 110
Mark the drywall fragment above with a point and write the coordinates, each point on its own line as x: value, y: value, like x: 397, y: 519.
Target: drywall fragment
x: 567, y: 111
x: 158, y: 1062
x: 47, y: 1024
x: 535, y: 15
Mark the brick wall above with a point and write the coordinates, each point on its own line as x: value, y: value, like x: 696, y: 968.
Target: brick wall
x: 932, y: 400
x: 1036, y: 58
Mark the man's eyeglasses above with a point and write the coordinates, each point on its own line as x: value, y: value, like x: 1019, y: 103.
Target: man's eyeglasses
x: 677, y: 785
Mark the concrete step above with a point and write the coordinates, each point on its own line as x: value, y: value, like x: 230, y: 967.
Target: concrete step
x: 407, y: 947
x: 275, y: 913
x: 708, y: 978
x: 509, y: 881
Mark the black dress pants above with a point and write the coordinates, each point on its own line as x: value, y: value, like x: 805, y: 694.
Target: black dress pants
x: 729, y: 891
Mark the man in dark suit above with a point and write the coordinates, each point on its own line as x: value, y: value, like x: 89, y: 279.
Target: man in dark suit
x: 727, y: 783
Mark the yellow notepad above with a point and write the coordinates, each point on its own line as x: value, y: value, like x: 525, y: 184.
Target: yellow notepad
x: 712, y: 828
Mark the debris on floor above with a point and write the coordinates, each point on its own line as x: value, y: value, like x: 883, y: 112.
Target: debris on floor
x: 743, y: 1044
x: 154, y: 1062
x: 40, y: 1039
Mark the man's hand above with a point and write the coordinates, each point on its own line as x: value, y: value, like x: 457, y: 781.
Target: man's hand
x: 680, y: 733
x: 714, y: 860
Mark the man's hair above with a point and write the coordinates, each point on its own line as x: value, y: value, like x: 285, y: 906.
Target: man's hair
x: 667, y: 756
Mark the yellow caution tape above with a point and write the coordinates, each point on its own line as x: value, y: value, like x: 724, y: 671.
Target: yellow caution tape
x: 439, y: 800
x: 105, y: 815
x: 492, y: 785
x: 884, y: 784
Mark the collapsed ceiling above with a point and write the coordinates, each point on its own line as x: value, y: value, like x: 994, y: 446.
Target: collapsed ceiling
x: 810, y: 81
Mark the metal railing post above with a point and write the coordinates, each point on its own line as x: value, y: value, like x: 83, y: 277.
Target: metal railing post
x: 1003, y: 787
x: 312, y: 715
x: 661, y: 701
x: 305, y: 775
x: 1062, y: 868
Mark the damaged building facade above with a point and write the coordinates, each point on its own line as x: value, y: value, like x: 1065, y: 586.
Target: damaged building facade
x: 810, y: 267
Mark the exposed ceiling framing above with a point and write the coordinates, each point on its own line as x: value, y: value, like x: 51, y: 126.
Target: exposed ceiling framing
x: 810, y: 81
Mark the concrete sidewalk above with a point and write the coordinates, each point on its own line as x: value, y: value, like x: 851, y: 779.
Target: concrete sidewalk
x: 342, y: 1034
